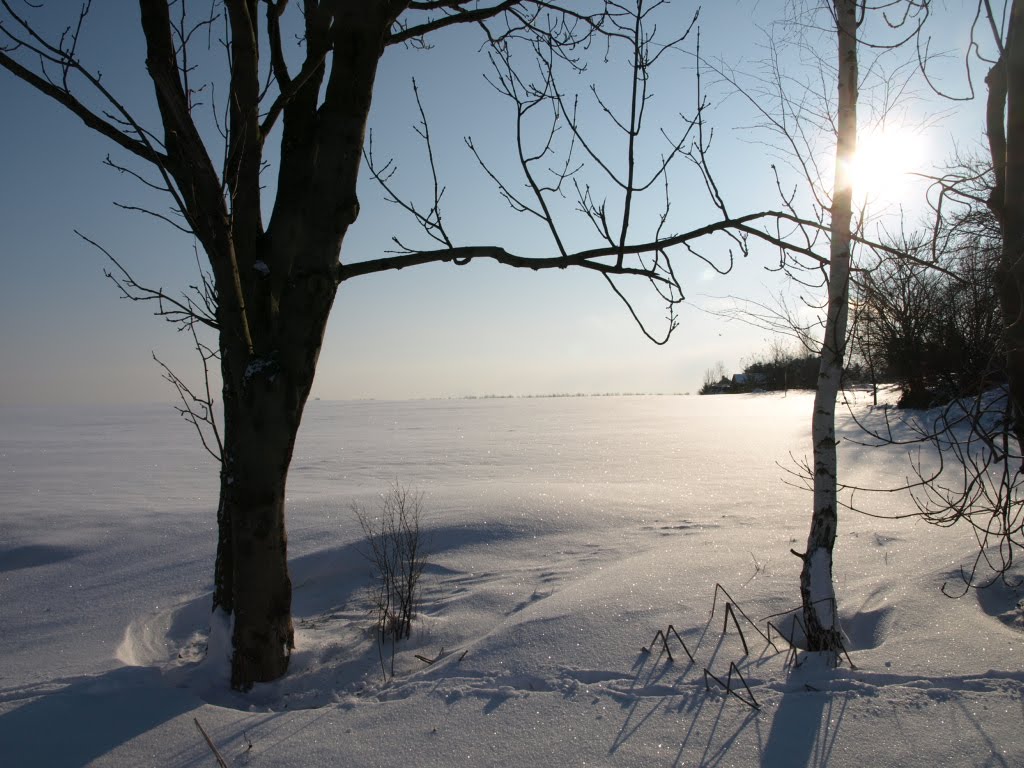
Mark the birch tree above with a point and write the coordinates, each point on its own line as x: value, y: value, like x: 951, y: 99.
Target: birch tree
x: 817, y: 591
x: 801, y: 111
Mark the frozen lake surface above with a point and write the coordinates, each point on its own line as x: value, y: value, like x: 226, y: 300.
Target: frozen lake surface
x: 564, y: 532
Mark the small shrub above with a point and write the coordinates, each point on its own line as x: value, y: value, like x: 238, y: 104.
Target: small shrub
x: 396, y: 549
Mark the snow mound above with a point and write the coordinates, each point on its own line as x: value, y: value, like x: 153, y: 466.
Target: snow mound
x: 1004, y: 599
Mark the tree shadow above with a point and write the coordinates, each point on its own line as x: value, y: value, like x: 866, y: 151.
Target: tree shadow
x: 88, y: 718
x: 805, y: 728
x: 659, y: 685
x: 328, y: 599
x: 647, y: 686
x: 330, y: 577
x: 33, y: 555
x: 1003, y: 599
x: 711, y: 755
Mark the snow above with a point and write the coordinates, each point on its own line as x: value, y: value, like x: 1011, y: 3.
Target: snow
x: 563, y: 534
x: 258, y: 366
x: 822, y: 593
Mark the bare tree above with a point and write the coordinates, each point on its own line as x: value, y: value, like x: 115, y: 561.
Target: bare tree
x: 930, y: 323
x: 978, y: 219
x: 898, y: 317
x: 712, y: 377
x: 816, y: 586
x: 304, y: 77
x: 799, y: 112
x: 782, y: 366
x: 1005, y: 129
x: 1002, y: 26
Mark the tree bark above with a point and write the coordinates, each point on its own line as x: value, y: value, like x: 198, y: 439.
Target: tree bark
x: 223, y: 568
x: 256, y: 465
x: 1010, y: 209
x: 264, y: 398
x: 816, y: 585
x: 288, y: 277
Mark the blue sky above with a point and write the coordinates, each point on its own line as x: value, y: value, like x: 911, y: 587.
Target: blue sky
x: 433, y: 331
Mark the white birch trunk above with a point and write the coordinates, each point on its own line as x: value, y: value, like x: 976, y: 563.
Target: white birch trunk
x: 816, y: 586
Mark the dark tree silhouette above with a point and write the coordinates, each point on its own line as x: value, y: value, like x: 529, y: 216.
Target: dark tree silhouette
x: 302, y: 75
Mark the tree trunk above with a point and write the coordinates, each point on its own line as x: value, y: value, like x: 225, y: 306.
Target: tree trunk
x: 257, y: 465
x: 816, y: 587
x: 289, y: 278
x: 264, y: 397
x: 263, y: 407
x: 1010, y: 271
x: 223, y: 569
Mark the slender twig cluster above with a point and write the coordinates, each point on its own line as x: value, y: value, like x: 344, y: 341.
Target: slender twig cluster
x: 396, y: 549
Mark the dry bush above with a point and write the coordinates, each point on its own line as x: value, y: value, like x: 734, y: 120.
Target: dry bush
x: 396, y: 549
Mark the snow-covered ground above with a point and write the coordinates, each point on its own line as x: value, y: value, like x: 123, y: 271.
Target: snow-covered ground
x: 564, y: 533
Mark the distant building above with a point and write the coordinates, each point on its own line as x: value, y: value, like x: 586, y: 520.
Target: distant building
x: 740, y: 382
x: 722, y: 387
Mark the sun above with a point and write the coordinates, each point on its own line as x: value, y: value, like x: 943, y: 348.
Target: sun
x: 883, y: 166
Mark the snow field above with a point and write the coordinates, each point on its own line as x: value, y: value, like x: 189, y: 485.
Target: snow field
x: 564, y: 532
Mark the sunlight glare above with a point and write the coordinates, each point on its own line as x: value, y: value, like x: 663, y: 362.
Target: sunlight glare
x: 882, y: 167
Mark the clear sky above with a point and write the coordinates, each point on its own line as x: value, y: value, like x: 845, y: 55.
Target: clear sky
x: 433, y: 331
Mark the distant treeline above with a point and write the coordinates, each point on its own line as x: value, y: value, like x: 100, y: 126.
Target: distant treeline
x: 772, y: 370
x: 935, y: 333
x: 567, y: 394
x: 932, y: 329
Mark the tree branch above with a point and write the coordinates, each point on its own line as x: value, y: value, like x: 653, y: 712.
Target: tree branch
x: 76, y: 107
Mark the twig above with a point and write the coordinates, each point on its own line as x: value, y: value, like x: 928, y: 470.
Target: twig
x: 727, y: 685
x: 725, y: 625
x: 427, y: 661
x: 731, y: 601
x: 213, y: 747
x: 664, y: 643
